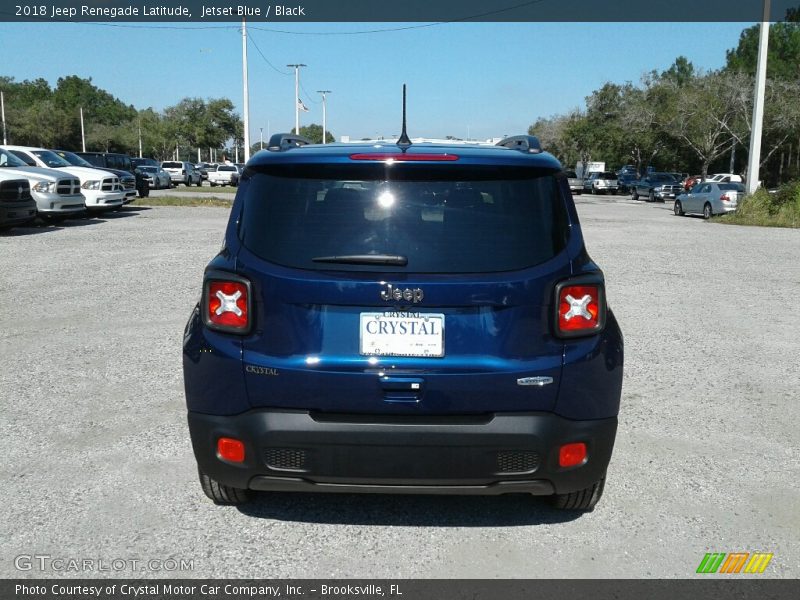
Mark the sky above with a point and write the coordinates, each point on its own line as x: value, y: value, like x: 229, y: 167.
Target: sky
x: 468, y: 80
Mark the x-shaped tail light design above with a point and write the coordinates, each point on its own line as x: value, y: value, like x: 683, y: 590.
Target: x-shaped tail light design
x: 577, y: 308
x: 228, y: 303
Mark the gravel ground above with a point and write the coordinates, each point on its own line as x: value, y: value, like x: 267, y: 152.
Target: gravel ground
x: 97, y: 460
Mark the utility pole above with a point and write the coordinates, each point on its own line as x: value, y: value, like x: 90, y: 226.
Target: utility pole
x: 83, y: 136
x: 246, y: 109
x: 260, y: 138
x: 139, y: 126
x: 754, y: 159
x: 3, y: 111
x: 324, y: 113
x: 297, y: 96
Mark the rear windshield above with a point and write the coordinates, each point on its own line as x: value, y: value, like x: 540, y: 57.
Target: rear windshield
x: 608, y: 175
x: 171, y: 165
x: 435, y: 220
x: 737, y: 187
x: 570, y: 174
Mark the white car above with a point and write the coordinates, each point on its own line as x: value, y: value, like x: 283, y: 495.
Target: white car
x: 726, y: 178
x: 101, y: 189
x: 223, y: 175
x: 57, y: 194
x: 182, y: 172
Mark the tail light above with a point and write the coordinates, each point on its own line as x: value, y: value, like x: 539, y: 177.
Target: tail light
x: 580, y: 307
x: 572, y: 455
x: 226, y: 303
x: 230, y: 449
x: 725, y: 198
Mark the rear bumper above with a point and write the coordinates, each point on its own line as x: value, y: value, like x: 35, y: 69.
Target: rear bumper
x: 480, y: 454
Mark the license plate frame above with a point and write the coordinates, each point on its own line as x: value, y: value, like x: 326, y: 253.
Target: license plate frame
x: 422, y: 335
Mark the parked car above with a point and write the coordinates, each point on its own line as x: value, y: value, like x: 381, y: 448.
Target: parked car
x: 204, y: 168
x: 148, y: 162
x: 317, y: 358
x: 126, y: 180
x: 691, y: 181
x: 626, y: 181
x: 156, y: 177
x: 575, y: 182
x: 223, y: 175
x: 57, y: 194
x: 656, y: 186
x: 17, y: 206
x: 101, y: 189
x: 709, y: 198
x: 122, y: 165
x: 182, y: 172
x: 726, y: 178
x: 601, y: 182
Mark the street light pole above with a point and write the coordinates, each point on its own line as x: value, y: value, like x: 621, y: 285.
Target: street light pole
x: 297, y: 96
x: 260, y: 138
x: 83, y: 135
x: 246, y: 109
x: 754, y: 159
x: 324, y: 114
x: 3, y: 110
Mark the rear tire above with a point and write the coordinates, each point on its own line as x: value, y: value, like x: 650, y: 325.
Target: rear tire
x: 651, y: 197
x: 634, y: 195
x: 678, y: 209
x: 584, y: 500
x: 222, y: 494
x: 707, y: 212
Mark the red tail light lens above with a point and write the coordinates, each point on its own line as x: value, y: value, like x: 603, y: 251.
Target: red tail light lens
x: 230, y: 449
x: 226, y: 305
x: 725, y: 198
x: 581, y: 308
x: 572, y: 455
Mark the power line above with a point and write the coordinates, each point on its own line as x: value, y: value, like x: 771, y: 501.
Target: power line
x: 266, y: 60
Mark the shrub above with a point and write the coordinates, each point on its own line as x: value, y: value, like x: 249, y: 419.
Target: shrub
x: 781, y: 209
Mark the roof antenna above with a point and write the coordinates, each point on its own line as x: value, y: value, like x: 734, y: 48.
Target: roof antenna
x: 404, y: 142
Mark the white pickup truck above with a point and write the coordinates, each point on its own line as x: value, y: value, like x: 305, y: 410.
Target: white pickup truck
x: 57, y: 194
x: 100, y: 189
x: 223, y: 175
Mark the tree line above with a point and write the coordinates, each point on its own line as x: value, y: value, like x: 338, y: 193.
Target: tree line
x: 684, y: 119
x: 40, y: 115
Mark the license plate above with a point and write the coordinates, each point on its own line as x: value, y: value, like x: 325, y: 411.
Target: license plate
x: 402, y: 334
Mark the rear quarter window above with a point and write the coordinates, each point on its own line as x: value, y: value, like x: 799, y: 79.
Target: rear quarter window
x: 441, y: 220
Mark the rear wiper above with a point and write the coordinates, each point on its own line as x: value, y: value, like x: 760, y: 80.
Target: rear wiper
x: 365, y: 259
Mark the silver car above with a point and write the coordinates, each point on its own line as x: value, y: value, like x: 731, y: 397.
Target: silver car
x: 575, y: 182
x: 156, y: 177
x: 709, y: 198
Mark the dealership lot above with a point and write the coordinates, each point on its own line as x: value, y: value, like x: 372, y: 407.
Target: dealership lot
x: 98, y: 465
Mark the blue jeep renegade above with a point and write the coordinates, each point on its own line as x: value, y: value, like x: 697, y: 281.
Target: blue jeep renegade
x: 403, y: 318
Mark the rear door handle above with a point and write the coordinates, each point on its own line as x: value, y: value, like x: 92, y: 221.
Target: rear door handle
x: 402, y: 389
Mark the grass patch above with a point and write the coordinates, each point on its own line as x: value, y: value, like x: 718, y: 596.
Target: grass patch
x: 204, y: 189
x: 781, y: 209
x: 188, y: 201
